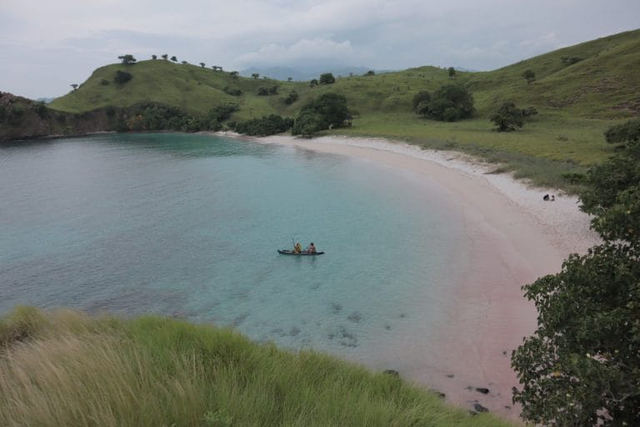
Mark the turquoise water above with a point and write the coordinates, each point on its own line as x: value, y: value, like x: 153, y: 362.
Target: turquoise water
x: 188, y: 226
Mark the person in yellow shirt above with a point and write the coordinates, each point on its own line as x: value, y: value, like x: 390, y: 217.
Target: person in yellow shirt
x: 297, y: 248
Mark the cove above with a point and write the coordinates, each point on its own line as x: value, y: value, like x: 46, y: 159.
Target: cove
x: 188, y: 226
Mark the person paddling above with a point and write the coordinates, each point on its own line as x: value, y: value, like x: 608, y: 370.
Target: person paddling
x: 297, y: 248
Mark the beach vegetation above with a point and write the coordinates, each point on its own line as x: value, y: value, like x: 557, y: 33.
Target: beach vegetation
x: 327, y: 79
x: 327, y: 111
x: 529, y: 75
x: 67, y: 369
x: 127, y: 59
x: 582, y: 365
x: 263, y: 126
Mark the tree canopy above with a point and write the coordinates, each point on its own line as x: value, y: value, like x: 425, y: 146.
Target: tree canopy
x: 327, y: 111
x: 508, y: 117
x: 127, y: 59
x: 582, y: 365
x: 450, y: 103
x: 327, y: 79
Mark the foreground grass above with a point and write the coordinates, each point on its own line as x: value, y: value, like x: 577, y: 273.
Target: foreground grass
x: 68, y: 369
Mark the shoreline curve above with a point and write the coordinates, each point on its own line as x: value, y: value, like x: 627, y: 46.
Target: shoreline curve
x: 513, y: 238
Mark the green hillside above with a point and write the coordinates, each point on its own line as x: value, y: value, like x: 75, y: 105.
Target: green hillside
x: 67, y: 369
x: 603, y: 83
x: 579, y: 92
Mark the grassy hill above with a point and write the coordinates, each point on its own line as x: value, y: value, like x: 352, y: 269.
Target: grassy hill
x: 67, y: 369
x: 579, y: 92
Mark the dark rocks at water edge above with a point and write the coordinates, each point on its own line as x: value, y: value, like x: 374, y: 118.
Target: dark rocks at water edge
x: 482, y: 390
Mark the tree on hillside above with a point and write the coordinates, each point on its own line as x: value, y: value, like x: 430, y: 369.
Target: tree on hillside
x: 450, y: 103
x: 291, y: 98
x: 122, y: 77
x: 529, y: 76
x: 313, y: 82
x: 452, y: 72
x: 154, y: 57
x: 508, y: 117
x: 184, y: 62
x: 582, y: 365
x: 174, y: 59
x: 289, y: 79
x: 165, y: 56
x: 234, y: 75
x: 255, y: 75
x: 127, y: 59
x: 327, y: 79
x: 74, y: 86
x: 368, y: 73
x: 202, y: 64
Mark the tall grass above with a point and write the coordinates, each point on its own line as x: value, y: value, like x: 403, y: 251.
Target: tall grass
x: 67, y: 369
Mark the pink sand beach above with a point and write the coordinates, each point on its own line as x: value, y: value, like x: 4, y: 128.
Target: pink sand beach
x: 513, y: 237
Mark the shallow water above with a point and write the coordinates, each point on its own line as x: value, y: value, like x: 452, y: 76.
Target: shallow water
x: 188, y: 225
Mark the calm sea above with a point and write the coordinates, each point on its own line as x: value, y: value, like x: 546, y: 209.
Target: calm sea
x: 188, y: 226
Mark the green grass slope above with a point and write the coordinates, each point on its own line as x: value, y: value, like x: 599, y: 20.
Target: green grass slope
x: 67, y: 369
x: 579, y: 92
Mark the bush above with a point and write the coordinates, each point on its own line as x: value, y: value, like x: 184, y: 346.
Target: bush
x: 232, y: 91
x: 122, y: 77
x: 291, y: 98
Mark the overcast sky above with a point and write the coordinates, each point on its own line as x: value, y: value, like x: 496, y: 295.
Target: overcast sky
x: 45, y: 45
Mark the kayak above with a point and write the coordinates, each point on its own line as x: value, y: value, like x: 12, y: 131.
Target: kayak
x: 288, y: 252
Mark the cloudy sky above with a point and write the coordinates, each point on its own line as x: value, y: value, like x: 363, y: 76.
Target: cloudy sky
x: 45, y: 45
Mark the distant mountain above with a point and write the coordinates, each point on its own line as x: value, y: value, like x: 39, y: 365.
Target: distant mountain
x: 305, y: 74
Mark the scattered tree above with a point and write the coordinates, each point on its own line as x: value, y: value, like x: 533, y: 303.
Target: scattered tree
x: 174, y: 59
x: 582, y: 365
x: 289, y: 79
x: 74, y: 86
x: 127, y: 59
x: 202, y: 64
x: 452, y: 72
x: 508, y: 117
x: 255, y: 75
x: 232, y: 91
x: 184, y: 62
x: 165, y: 56
x: 327, y: 79
x: 154, y: 57
x: 368, y: 73
x: 234, y: 75
x: 529, y: 76
x: 313, y: 82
